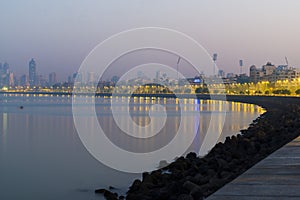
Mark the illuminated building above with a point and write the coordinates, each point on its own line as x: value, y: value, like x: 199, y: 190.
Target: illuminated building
x: 271, y: 73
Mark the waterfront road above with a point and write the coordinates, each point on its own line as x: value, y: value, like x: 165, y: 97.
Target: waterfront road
x: 275, y: 177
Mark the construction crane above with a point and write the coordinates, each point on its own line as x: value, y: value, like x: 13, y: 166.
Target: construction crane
x: 287, y: 63
x: 286, y: 60
x: 178, y: 61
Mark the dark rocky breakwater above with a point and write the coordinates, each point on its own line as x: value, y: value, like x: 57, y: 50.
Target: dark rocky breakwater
x: 194, y: 178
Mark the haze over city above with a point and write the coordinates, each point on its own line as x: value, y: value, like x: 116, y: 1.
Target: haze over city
x: 149, y: 99
x: 60, y: 34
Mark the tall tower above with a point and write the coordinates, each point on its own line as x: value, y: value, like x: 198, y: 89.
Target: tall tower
x: 241, y: 66
x: 215, y: 56
x: 32, y: 73
x: 5, y: 75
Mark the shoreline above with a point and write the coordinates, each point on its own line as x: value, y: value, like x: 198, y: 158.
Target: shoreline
x: 162, y: 95
x: 192, y: 177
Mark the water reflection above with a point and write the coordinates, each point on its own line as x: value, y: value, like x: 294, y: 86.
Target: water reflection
x: 40, y: 147
x: 210, y: 112
x: 3, y: 133
x: 4, y: 124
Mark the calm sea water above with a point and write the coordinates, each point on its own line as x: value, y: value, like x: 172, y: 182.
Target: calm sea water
x: 42, y: 157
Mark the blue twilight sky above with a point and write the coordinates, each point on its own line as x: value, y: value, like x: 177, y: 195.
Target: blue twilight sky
x: 60, y: 33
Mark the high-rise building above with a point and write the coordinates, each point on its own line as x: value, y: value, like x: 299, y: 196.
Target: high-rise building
x: 32, y: 73
x: 5, y: 68
x: 24, y: 80
x: 41, y: 81
x: 11, y: 79
x: 91, y: 77
x: 52, y: 78
x: 4, y: 75
x: 221, y: 73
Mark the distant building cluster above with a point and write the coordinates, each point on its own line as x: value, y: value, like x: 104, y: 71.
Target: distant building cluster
x: 271, y: 73
x: 33, y: 80
x: 267, y: 72
x: 88, y: 78
x: 6, y: 76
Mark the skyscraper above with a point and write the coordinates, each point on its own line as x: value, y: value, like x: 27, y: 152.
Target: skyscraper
x: 5, y: 68
x: 52, y: 78
x: 4, y: 75
x: 24, y: 80
x: 32, y: 73
x: 91, y: 78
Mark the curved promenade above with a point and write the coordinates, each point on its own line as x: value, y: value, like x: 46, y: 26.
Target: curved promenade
x: 276, y: 177
x: 196, y: 178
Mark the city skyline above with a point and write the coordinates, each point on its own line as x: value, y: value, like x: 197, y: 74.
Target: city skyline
x: 60, y: 34
x: 267, y: 72
x: 149, y: 99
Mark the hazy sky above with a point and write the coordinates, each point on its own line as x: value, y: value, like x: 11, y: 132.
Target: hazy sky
x: 60, y: 33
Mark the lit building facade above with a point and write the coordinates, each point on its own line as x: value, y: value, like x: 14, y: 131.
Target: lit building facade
x: 271, y: 73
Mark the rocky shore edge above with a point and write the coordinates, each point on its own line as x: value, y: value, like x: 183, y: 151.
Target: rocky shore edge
x: 195, y: 178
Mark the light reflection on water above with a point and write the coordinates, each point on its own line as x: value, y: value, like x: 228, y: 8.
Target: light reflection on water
x: 41, y: 156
